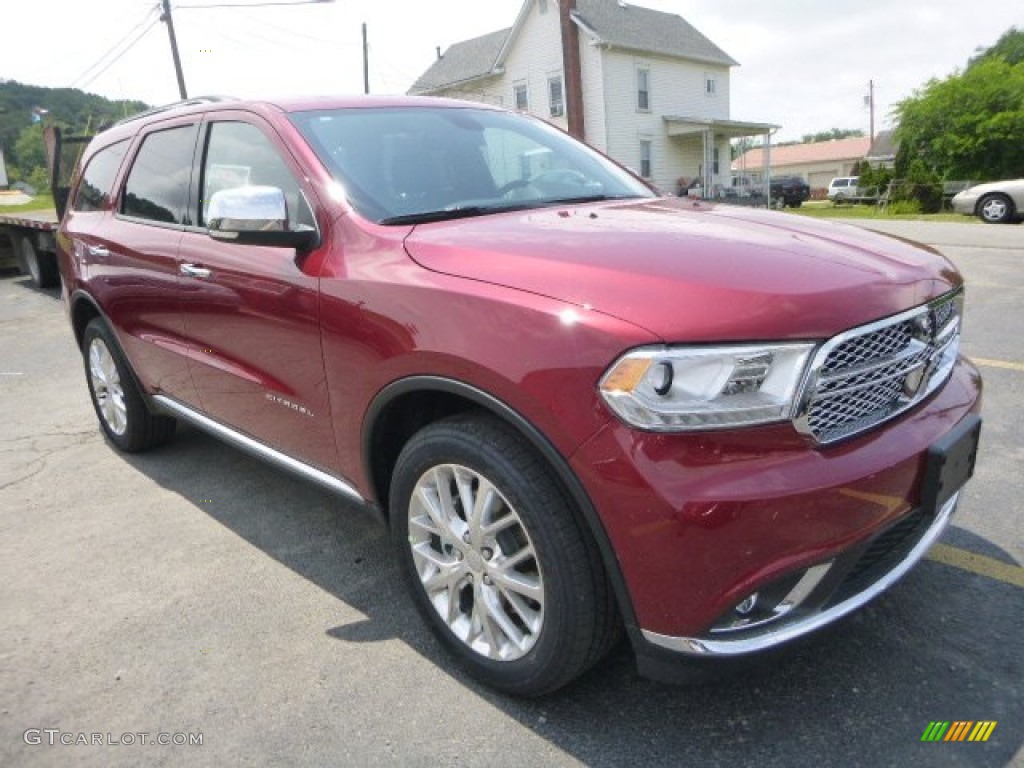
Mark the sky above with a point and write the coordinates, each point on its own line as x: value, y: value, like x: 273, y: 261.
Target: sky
x: 805, y: 64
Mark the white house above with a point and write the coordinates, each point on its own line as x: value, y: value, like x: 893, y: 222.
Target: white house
x: 643, y: 86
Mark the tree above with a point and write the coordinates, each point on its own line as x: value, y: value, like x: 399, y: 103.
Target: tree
x: 968, y: 126
x: 830, y: 135
x: 1009, y: 47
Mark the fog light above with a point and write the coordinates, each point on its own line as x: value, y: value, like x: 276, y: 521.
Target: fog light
x: 746, y: 606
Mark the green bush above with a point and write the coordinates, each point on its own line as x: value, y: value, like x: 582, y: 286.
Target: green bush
x: 903, y: 208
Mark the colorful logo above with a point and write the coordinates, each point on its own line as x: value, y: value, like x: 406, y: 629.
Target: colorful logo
x: 958, y: 730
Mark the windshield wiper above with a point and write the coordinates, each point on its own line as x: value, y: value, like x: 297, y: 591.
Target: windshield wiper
x: 588, y: 199
x: 447, y: 214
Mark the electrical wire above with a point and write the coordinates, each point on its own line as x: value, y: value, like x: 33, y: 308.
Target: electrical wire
x: 248, y: 5
x: 130, y: 45
x: 113, y: 48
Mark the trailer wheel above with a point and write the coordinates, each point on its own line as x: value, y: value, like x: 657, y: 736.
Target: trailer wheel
x: 40, y: 267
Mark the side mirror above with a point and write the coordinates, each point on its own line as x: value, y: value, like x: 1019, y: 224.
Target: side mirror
x: 254, y: 216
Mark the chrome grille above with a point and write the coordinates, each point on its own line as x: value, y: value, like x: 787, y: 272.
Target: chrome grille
x: 870, y: 374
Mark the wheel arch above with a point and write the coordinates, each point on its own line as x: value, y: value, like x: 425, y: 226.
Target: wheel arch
x: 407, y: 405
x: 83, y: 309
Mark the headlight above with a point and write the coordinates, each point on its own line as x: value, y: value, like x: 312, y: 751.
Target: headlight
x: 694, y: 388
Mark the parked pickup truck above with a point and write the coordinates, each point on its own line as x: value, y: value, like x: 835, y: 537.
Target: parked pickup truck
x: 789, y: 191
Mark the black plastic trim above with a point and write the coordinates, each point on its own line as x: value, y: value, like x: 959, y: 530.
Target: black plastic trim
x: 537, y: 439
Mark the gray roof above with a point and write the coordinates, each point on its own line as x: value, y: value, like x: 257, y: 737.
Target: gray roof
x: 883, y: 147
x: 463, y: 61
x: 641, y: 29
x: 614, y: 23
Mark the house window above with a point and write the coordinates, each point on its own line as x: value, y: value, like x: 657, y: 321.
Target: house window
x: 643, y: 89
x: 542, y: 6
x: 710, y: 86
x: 556, y: 97
x: 714, y: 163
x: 645, y: 158
x: 520, y: 97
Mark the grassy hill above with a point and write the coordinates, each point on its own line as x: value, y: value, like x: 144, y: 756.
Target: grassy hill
x: 72, y: 109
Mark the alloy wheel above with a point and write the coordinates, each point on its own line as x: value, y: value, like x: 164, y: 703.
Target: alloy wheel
x: 476, y: 562
x: 106, y: 387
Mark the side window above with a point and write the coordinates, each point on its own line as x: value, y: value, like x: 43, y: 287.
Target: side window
x: 94, y: 189
x: 645, y: 158
x: 157, y: 185
x: 239, y: 155
x: 520, y: 97
x: 643, y: 89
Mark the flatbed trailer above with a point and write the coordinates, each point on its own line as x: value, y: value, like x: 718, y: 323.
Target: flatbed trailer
x: 32, y: 236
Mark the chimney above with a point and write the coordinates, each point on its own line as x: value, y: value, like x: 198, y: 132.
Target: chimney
x: 439, y: 51
x: 571, y: 67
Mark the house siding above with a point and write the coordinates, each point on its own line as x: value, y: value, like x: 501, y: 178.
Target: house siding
x: 595, y: 121
x: 536, y: 56
x: 677, y: 87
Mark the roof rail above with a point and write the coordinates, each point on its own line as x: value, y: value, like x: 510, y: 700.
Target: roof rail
x: 195, y: 100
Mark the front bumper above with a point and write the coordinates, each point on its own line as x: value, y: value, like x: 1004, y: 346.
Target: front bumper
x: 964, y: 205
x: 700, y: 522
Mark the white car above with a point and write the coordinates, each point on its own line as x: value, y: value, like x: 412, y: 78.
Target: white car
x: 998, y: 202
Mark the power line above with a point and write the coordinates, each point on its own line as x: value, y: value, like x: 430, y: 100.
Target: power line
x: 127, y: 48
x: 113, y: 48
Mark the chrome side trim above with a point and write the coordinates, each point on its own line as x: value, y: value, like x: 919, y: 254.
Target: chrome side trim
x: 256, y: 448
x: 695, y: 646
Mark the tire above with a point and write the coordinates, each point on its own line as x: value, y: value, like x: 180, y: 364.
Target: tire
x: 996, y: 209
x: 123, y: 414
x: 40, y: 267
x: 525, y: 606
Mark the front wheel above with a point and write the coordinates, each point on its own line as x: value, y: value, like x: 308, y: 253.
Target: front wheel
x: 123, y: 414
x: 996, y: 209
x: 496, y: 559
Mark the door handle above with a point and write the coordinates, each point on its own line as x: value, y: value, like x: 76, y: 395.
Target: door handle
x: 97, y: 251
x: 191, y: 270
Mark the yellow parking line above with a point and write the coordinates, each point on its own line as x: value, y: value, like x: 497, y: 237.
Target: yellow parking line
x: 979, y: 564
x: 997, y: 364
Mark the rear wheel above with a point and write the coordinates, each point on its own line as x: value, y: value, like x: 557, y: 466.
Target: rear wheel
x: 40, y: 267
x: 124, y: 416
x: 496, y: 559
x: 996, y: 209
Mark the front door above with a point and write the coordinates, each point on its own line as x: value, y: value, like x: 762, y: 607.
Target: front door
x: 252, y: 312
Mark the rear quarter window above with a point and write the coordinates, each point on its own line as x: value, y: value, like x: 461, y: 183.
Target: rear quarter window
x: 94, y: 190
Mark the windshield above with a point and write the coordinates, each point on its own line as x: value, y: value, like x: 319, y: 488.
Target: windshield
x: 414, y: 164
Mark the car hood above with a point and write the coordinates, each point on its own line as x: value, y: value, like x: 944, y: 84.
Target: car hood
x: 689, y: 271
x: 1011, y: 186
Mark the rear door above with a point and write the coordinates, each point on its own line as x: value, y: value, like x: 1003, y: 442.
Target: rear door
x: 132, y: 258
x: 252, y: 312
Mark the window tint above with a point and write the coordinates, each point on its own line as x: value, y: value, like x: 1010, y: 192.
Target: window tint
x: 157, y: 186
x: 94, y: 190
x: 239, y: 155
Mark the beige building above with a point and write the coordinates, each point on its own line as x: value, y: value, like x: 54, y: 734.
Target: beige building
x: 816, y: 163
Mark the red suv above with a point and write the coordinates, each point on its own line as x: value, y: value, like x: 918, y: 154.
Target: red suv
x: 582, y: 407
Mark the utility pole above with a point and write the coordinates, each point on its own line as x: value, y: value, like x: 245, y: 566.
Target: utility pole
x: 870, y: 105
x: 366, y: 62
x: 166, y: 18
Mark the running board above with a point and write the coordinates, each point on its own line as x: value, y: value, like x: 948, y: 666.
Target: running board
x: 256, y: 448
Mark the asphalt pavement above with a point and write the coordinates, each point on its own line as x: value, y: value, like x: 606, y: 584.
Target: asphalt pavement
x: 196, y: 594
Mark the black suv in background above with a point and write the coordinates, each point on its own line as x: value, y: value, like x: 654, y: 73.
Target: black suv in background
x: 789, y: 191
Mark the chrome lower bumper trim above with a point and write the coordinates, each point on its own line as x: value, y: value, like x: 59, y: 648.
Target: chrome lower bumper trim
x: 738, y: 646
x: 256, y: 448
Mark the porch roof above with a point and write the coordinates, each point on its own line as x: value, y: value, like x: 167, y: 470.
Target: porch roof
x: 679, y: 125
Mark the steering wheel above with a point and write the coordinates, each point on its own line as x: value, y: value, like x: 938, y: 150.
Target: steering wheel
x: 504, y: 189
